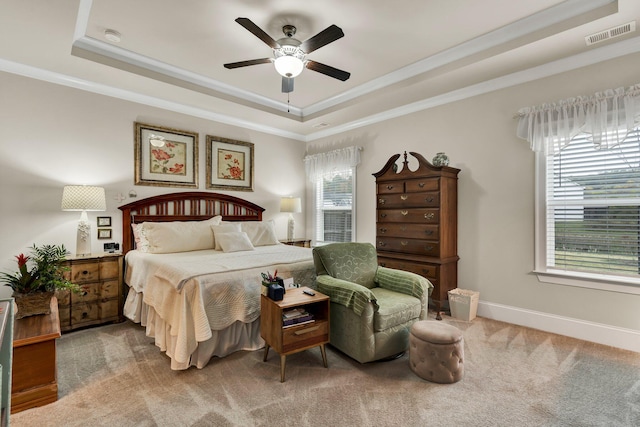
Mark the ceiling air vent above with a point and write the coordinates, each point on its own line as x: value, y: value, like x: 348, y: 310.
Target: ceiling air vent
x: 611, y: 33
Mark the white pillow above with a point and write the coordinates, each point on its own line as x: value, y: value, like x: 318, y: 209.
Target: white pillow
x: 261, y: 233
x: 234, y: 241
x: 180, y: 236
x: 224, y: 227
x: 140, y: 237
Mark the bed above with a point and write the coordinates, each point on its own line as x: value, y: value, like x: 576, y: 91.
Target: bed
x: 193, y: 264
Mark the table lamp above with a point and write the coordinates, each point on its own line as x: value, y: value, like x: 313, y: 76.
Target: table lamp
x: 291, y: 205
x: 83, y: 198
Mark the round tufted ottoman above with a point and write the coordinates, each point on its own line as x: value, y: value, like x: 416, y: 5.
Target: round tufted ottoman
x: 436, y: 351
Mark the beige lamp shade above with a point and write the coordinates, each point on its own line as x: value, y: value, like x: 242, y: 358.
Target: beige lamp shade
x: 83, y: 198
x: 290, y: 204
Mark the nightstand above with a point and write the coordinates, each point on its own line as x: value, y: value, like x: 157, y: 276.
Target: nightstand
x: 101, y: 298
x: 305, y: 243
x: 297, y: 337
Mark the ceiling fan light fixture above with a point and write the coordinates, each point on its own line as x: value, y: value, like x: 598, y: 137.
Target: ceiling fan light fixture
x: 289, y: 66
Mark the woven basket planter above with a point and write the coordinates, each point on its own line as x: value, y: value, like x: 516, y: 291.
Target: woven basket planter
x: 33, y: 304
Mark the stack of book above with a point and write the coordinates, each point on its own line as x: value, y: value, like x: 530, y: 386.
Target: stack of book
x: 296, y: 316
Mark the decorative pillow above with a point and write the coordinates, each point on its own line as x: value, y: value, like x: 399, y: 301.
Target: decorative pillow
x: 260, y: 233
x: 234, y: 241
x: 180, y: 236
x: 224, y: 227
x: 140, y: 237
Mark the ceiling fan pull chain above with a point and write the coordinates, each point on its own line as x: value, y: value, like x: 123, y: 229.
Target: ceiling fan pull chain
x: 288, y: 103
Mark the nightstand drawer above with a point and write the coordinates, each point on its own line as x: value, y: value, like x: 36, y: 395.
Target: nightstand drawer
x: 85, y: 272
x: 95, y: 291
x: 83, y: 313
x: 109, y: 269
x: 305, y: 335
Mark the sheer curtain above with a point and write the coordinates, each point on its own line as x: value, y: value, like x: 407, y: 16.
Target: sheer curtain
x: 606, y: 118
x: 316, y: 165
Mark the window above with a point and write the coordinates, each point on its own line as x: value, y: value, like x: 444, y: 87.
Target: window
x: 334, y: 216
x: 589, y: 223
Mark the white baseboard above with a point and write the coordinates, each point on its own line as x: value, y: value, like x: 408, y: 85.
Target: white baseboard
x: 627, y: 339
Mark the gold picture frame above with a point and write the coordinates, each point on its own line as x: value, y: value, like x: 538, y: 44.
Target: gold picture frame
x: 165, y: 157
x: 229, y: 164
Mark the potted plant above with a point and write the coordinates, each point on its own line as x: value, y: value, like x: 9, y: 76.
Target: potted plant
x: 33, y: 286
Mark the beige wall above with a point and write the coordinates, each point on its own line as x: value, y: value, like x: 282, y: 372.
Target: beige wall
x: 496, y: 190
x: 51, y: 136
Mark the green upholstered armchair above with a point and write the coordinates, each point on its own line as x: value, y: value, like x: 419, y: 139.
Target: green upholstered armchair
x: 372, y: 307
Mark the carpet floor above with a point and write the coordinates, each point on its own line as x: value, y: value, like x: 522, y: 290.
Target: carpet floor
x: 114, y: 375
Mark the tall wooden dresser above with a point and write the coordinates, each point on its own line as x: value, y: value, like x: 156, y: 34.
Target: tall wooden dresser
x: 417, y: 222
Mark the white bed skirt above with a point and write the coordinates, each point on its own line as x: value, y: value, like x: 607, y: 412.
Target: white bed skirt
x: 238, y: 336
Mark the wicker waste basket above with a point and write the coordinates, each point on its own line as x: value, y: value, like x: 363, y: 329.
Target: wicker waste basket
x: 463, y: 304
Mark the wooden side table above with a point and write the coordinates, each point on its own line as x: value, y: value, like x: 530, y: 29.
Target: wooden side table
x: 296, y: 338
x: 305, y: 243
x: 34, y: 378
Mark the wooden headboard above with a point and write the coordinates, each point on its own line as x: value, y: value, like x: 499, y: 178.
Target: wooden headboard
x: 185, y: 206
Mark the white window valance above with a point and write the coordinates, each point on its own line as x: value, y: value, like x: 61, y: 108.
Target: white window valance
x: 316, y: 165
x: 606, y: 118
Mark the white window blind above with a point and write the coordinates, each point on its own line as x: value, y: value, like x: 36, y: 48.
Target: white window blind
x: 593, y: 208
x: 334, y: 206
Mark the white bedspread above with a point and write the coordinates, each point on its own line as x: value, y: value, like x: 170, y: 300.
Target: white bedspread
x: 197, y: 292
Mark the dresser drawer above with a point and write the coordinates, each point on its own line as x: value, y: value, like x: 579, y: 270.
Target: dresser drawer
x: 305, y: 335
x: 425, y: 184
x: 410, y: 200
x: 408, y: 246
x: 412, y: 231
x: 413, y: 215
x: 82, y: 272
x: 391, y: 188
x: 430, y: 271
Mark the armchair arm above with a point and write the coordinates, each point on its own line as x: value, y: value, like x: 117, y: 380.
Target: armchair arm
x: 407, y: 283
x: 351, y: 295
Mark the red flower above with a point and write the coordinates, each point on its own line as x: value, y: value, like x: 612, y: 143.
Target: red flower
x: 236, y: 172
x: 169, y: 144
x: 160, y: 155
x: 177, y: 168
x: 227, y: 156
x: 22, y: 260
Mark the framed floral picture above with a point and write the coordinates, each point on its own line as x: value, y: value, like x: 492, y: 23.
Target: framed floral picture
x: 165, y: 157
x: 104, y: 233
x: 229, y: 164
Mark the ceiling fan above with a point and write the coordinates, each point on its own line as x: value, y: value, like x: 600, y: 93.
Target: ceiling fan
x: 289, y: 54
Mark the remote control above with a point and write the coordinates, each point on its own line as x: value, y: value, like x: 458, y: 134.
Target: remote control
x: 308, y: 292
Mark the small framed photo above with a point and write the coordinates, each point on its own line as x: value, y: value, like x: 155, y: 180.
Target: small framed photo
x: 165, y: 157
x: 104, y: 221
x: 229, y: 164
x: 104, y: 233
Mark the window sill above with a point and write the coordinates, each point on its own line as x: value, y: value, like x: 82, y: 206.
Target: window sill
x: 590, y: 281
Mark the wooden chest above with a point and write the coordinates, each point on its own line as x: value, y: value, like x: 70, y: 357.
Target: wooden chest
x: 416, y: 222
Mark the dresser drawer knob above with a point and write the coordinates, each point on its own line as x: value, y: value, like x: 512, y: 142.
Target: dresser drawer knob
x: 389, y: 187
x: 426, y: 270
x: 404, y: 243
x: 382, y: 264
x: 429, y: 199
x: 428, y: 232
x: 428, y: 248
x: 85, y: 272
x: 381, y: 201
x: 383, y: 230
x: 383, y: 215
x: 85, y: 315
x: 404, y: 197
x: 429, y: 215
x: 381, y: 244
x: 404, y: 213
x: 403, y: 228
x: 421, y: 184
